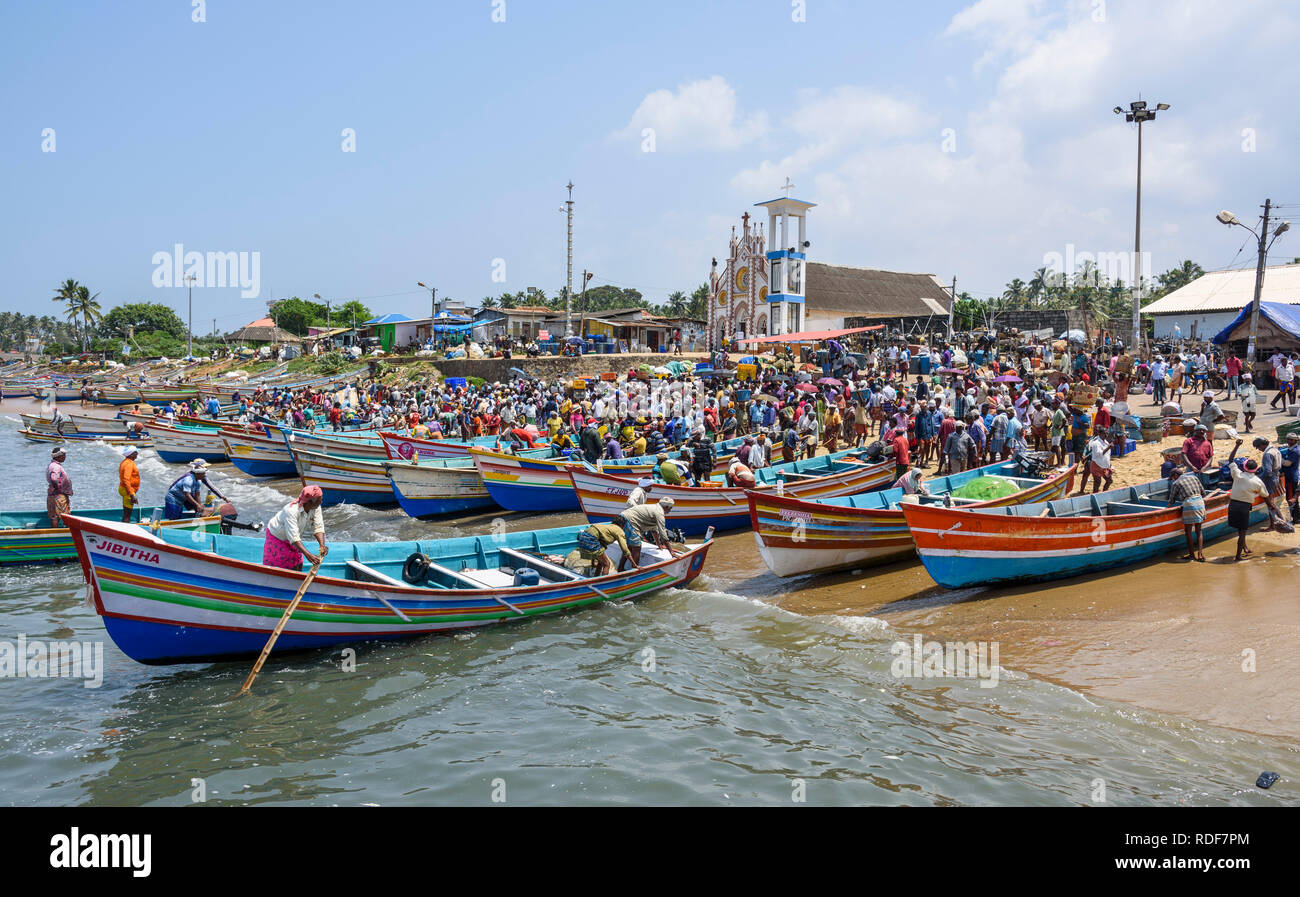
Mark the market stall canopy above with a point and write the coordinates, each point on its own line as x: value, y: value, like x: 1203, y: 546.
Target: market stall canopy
x: 807, y: 336
x: 1278, y: 322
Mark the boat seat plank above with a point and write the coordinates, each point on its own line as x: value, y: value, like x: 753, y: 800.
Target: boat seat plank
x: 377, y: 575
x: 540, y: 564
x: 1124, y: 507
x: 455, y: 577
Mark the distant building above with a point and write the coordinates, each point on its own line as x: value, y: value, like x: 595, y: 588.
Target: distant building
x: 1202, y: 308
x: 263, y: 330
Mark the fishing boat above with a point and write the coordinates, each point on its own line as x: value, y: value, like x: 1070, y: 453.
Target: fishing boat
x: 180, y: 445
x: 116, y: 397
x: 963, y: 547
x: 36, y: 436
x: 405, y: 447
x: 258, y: 454
x: 26, y: 537
x: 798, y: 536
x: 160, y: 397
x: 341, y: 479
x: 437, y: 486
x: 170, y: 598
x: 519, y: 483
x: 331, y: 443
x: 696, y: 508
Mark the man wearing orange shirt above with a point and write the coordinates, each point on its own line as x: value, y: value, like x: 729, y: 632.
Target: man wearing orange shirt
x: 128, y: 482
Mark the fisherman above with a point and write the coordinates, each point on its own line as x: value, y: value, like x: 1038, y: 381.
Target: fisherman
x: 128, y: 482
x: 183, y: 494
x: 911, y: 484
x: 668, y: 470
x: 739, y: 475
x: 1099, y: 468
x: 1198, y: 451
x: 1247, y: 488
x: 593, y: 541
x: 283, y: 545
x: 958, y: 447
x: 1186, y: 489
x: 1249, y: 395
x: 646, y: 521
x: 1291, y: 473
x: 1210, y: 413
x: 637, y: 496
x: 58, y: 492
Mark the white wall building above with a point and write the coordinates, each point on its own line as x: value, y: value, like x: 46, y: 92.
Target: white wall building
x: 1205, y: 306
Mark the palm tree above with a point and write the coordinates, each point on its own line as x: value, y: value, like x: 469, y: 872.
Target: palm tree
x: 1180, y: 276
x: 1037, y: 290
x: 489, y: 302
x: 83, y: 305
x: 677, y: 303
x: 1013, y: 294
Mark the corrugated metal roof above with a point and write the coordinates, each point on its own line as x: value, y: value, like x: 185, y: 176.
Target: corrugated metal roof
x: 1230, y: 290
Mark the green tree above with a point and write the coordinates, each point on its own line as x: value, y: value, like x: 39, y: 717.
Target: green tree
x: 81, y: 304
x: 296, y: 315
x: 1178, y: 277
x: 352, y: 310
x: 144, y: 317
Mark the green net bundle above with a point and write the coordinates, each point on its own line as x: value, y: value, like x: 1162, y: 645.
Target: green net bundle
x: 986, y: 488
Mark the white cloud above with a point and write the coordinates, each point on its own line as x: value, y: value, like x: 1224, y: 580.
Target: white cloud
x: 701, y: 115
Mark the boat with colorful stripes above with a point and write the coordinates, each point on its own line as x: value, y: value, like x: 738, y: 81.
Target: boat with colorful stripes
x: 258, y: 454
x: 360, y: 481
x: 180, y: 445
x: 405, y: 447
x: 36, y: 436
x: 164, y: 395
x: 519, y: 483
x: 331, y: 443
x: 963, y: 547
x: 437, y: 486
x: 697, y: 508
x: 26, y: 537
x: 797, y: 536
x: 170, y: 598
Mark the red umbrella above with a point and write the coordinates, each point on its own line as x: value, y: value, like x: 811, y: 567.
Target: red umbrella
x: 806, y: 387
x: 829, y: 381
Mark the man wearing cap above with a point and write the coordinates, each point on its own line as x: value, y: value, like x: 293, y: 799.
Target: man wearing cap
x: 760, y: 453
x: 958, y: 448
x: 128, y: 481
x: 647, y: 521
x: 183, y: 494
x: 637, y: 495
x: 668, y: 470
x: 1158, y: 369
x: 1247, y: 488
x: 1249, y: 395
x: 591, y: 443
x: 1211, y: 413
x: 1198, y: 451
x: 58, y: 491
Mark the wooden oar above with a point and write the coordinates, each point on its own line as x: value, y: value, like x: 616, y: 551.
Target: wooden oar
x: 279, y: 627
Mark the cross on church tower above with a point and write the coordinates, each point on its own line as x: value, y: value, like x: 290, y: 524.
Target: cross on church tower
x: 788, y: 186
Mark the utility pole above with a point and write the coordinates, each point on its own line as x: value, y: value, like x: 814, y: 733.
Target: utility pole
x: 1226, y: 217
x: 953, y: 307
x: 189, y: 335
x: 582, y: 326
x: 568, y: 283
x: 433, y: 307
x: 1252, y: 344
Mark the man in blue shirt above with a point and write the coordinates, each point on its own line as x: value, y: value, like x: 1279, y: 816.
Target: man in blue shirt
x: 183, y: 494
x: 1291, y: 473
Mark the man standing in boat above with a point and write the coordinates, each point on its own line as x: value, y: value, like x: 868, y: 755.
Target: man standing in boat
x: 58, y: 493
x: 128, y: 482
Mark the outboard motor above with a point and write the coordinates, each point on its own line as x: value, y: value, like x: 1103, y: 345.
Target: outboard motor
x: 230, y: 520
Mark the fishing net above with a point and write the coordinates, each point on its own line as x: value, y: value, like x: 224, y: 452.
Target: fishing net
x: 986, y: 488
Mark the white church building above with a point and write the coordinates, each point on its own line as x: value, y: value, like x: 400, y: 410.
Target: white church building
x: 762, y: 291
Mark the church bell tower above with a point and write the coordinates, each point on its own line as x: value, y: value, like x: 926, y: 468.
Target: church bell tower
x: 786, y: 261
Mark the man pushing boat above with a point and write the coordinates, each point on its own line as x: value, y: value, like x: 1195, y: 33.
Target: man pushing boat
x: 183, y: 494
x: 58, y: 491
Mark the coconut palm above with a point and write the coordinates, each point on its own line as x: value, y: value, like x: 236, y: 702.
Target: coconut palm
x: 489, y: 302
x: 83, y: 305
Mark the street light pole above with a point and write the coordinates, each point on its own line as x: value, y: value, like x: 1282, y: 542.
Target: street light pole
x: 1262, y: 236
x: 1138, y: 112
x: 568, y: 283
x: 433, y: 306
x: 189, y: 336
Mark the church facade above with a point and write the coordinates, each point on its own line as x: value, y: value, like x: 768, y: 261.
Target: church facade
x: 758, y: 290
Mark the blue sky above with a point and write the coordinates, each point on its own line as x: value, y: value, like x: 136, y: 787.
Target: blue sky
x: 225, y: 135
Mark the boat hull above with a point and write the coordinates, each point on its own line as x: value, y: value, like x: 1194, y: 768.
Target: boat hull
x: 797, y: 536
x: 355, y: 481
x: 45, y: 544
x: 696, y: 509
x: 963, y: 548
x: 164, y: 603
x: 437, y: 487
